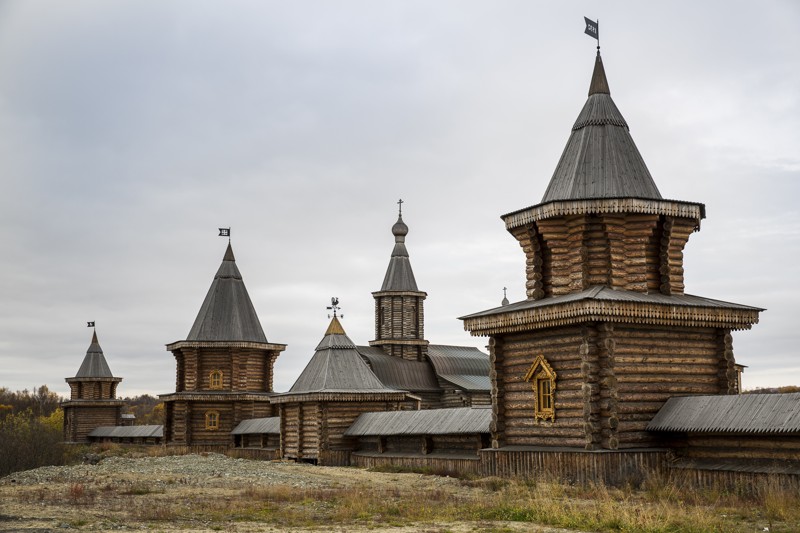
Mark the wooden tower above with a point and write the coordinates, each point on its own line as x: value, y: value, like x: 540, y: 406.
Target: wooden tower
x: 399, y: 311
x: 332, y: 391
x: 93, y: 397
x: 224, y: 367
x: 606, y: 334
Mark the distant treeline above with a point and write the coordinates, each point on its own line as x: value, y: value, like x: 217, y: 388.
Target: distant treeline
x: 773, y: 390
x: 32, y: 427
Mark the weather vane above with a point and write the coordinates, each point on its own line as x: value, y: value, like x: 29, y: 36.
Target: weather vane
x: 593, y: 30
x: 90, y: 324
x: 400, y: 206
x: 335, y: 307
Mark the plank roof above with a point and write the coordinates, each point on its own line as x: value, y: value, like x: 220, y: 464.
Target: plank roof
x: 337, y: 367
x: 456, y: 421
x: 399, y: 275
x: 258, y: 426
x: 604, y: 293
x: 465, y: 367
x: 399, y: 373
x: 127, y: 432
x: 600, y: 159
x: 736, y: 414
x: 94, y: 364
x: 227, y: 314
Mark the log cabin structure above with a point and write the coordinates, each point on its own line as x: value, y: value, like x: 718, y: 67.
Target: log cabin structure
x: 223, y: 368
x: 332, y: 391
x: 93, y: 397
x: 606, y: 334
x: 441, y: 375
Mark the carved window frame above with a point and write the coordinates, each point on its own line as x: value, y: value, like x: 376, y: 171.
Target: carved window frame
x: 543, y: 381
x: 212, y: 420
x: 215, y: 379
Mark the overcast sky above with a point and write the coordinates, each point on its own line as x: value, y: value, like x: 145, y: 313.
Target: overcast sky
x: 130, y: 131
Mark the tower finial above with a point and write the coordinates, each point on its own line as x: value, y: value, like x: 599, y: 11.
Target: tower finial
x: 400, y: 208
x: 505, y: 298
x: 225, y: 232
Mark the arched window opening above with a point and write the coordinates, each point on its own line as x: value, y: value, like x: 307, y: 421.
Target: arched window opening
x: 212, y: 420
x: 215, y: 379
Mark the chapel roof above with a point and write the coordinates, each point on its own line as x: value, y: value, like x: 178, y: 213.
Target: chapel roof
x: 399, y: 275
x: 227, y: 314
x: 337, y: 367
x: 94, y: 365
x: 600, y: 159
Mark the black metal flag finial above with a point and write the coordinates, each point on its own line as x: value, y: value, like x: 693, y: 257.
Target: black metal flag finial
x: 225, y: 232
x: 335, y: 308
x: 593, y: 30
x: 90, y: 324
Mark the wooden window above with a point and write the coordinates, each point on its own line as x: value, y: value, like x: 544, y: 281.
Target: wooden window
x: 543, y: 379
x: 212, y: 420
x: 215, y: 379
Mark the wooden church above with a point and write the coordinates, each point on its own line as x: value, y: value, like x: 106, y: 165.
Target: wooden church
x: 223, y: 368
x: 606, y: 334
x: 93, y: 397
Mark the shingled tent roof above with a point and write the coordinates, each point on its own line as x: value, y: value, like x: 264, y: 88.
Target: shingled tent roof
x: 337, y: 367
x: 399, y: 276
x: 227, y: 314
x: 600, y: 159
x: 94, y: 364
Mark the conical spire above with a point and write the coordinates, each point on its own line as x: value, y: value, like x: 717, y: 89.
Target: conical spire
x: 599, y: 83
x: 399, y: 276
x: 600, y: 159
x: 337, y: 366
x: 94, y: 364
x: 227, y: 314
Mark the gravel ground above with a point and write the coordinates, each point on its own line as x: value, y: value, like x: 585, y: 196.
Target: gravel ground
x: 44, y: 499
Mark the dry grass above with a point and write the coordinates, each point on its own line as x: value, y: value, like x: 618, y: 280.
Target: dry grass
x: 660, y: 506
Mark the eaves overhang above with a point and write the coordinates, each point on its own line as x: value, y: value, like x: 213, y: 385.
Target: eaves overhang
x: 540, y: 314
x: 596, y: 206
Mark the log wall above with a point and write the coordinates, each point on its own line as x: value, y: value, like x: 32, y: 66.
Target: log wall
x: 611, y: 381
x: 513, y: 408
x: 652, y: 364
x: 80, y: 420
x: 401, y: 316
x: 628, y: 251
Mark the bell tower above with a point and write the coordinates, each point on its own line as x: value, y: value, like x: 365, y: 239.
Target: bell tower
x: 399, y: 312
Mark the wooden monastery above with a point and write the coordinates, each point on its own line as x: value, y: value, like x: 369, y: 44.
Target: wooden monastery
x: 607, y: 371
x: 93, y: 397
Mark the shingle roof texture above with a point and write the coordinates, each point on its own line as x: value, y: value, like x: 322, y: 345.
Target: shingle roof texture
x: 599, y: 292
x: 227, y: 314
x: 464, y: 366
x: 738, y: 414
x: 258, y: 426
x: 461, y: 420
x: 94, y: 364
x: 399, y: 275
x: 128, y: 431
x: 600, y: 159
x: 337, y: 366
x: 400, y: 373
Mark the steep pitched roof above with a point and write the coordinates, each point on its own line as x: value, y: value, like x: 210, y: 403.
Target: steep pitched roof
x: 337, y: 367
x: 227, y: 314
x: 94, y: 364
x: 600, y: 159
x: 399, y: 276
